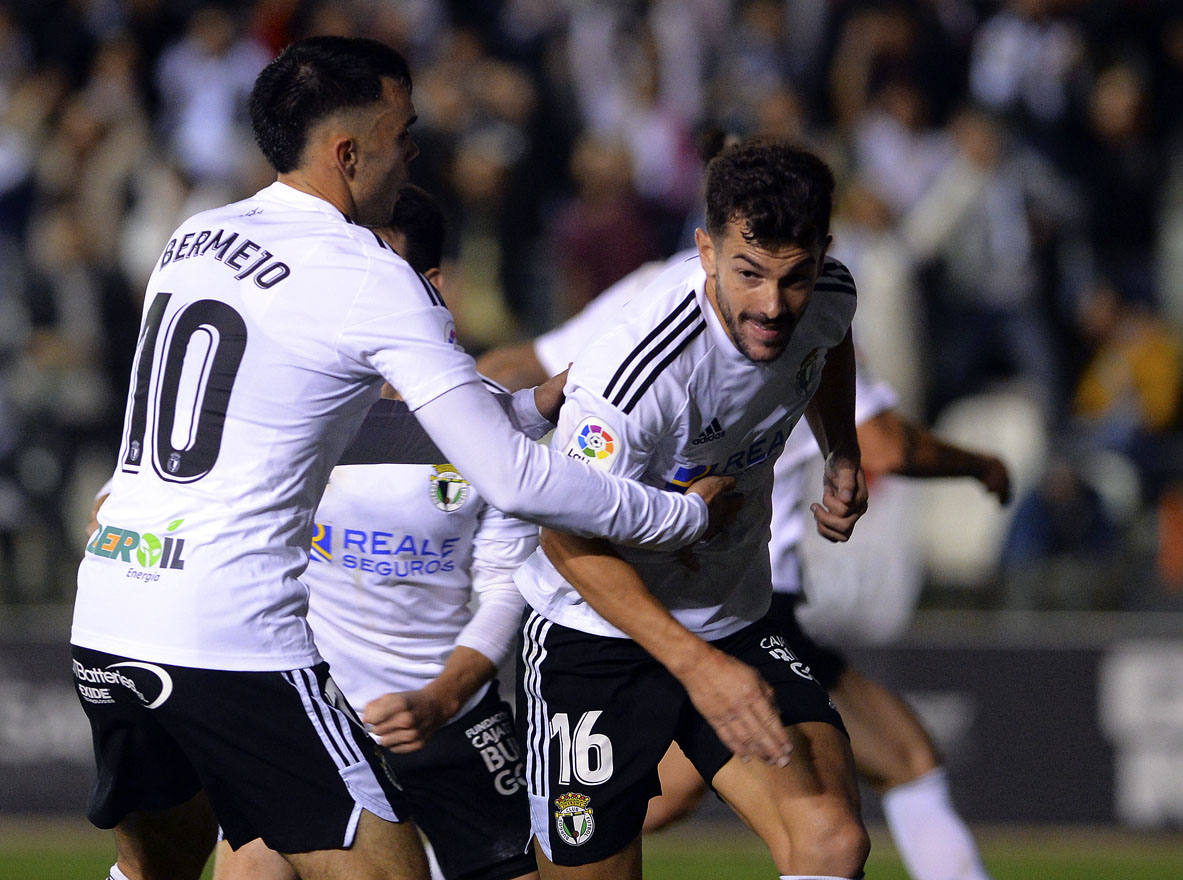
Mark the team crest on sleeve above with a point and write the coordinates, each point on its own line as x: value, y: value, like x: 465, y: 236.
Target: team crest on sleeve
x: 573, y: 819
x: 449, y: 490
x: 594, y: 442
x: 808, y: 369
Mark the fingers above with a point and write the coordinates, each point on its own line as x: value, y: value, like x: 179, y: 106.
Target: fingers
x: 831, y: 526
x: 380, y: 710
x: 711, y: 487
x: 843, y: 502
x: 741, y: 707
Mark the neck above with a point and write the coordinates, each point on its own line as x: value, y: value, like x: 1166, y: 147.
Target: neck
x: 330, y: 191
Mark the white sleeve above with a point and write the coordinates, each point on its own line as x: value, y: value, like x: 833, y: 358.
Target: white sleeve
x: 500, y: 546
x: 556, y: 348
x: 524, y: 414
x: 532, y: 482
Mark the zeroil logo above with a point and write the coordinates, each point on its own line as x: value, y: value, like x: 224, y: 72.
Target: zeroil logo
x: 158, y: 551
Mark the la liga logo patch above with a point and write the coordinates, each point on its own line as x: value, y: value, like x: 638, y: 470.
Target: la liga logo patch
x: 594, y: 442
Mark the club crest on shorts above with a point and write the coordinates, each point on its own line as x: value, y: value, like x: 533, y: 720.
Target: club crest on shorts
x: 449, y: 490
x: 593, y: 442
x: 808, y: 370
x: 573, y: 820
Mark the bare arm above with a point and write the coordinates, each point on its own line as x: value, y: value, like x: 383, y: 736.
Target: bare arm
x: 892, y: 444
x: 514, y: 366
x: 729, y: 694
x: 405, y: 721
x: 830, y: 414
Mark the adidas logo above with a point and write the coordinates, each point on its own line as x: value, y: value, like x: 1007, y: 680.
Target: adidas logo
x: 713, y: 431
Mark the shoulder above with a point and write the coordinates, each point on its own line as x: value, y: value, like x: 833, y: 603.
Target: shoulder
x: 654, y: 345
x: 836, y: 278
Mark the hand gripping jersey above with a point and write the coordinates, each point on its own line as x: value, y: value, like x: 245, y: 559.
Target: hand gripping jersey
x: 666, y: 397
x: 268, y: 325
x: 390, y: 564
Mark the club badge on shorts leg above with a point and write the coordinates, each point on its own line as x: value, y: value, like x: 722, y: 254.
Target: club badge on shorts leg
x: 574, y: 820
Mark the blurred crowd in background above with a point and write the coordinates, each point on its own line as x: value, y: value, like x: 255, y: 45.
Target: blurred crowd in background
x: 1010, y: 203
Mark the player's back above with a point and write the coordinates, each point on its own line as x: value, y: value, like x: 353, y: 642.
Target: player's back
x: 265, y: 325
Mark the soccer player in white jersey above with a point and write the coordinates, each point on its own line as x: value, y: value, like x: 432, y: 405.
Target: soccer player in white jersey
x: 402, y: 544
x: 626, y: 651
x: 268, y: 328
x: 892, y: 750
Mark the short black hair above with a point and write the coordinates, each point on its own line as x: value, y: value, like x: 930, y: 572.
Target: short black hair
x: 782, y: 194
x: 312, y: 79
x: 418, y: 216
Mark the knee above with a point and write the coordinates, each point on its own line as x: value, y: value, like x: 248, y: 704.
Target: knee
x: 834, y: 843
x: 668, y: 808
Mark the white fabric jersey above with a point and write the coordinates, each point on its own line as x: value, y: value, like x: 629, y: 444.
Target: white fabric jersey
x: 390, y: 567
x: 556, y: 348
x: 268, y: 326
x: 666, y: 397
x: 790, y: 517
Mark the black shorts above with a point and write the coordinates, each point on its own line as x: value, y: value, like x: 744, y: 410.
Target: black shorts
x: 281, y: 755
x: 466, y: 789
x: 826, y: 663
x: 597, y: 714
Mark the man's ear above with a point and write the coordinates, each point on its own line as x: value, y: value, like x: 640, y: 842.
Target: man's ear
x: 434, y: 275
x: 706, y: 250
x: 345, y: 155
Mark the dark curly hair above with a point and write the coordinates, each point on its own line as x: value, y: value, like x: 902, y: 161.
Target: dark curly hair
x: 780, y: 194
x: 417, y: 215
x: 312, y: 79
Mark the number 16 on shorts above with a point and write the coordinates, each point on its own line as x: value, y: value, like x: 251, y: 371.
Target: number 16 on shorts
x: 588, y: 755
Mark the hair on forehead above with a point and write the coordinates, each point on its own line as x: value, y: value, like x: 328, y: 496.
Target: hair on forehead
x: 778, y: 194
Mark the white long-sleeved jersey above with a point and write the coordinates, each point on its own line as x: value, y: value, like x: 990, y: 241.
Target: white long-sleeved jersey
x: 399, y: 550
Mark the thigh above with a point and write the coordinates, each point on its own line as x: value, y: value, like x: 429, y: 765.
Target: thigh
x: 826, y: 664
x: 251, y: 861
x: 139, y: 766
x: 381, y: 850
x: 800, y: 697
x: 596, y: 716
x: 280, y: 755
x: 891, y: 746
x: 466, y: 790
x: 171, y: 844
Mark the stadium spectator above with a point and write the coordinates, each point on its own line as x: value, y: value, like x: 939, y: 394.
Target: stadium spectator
x: 203, y: 81
x: 602, y: 233
x: 973, y: 229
